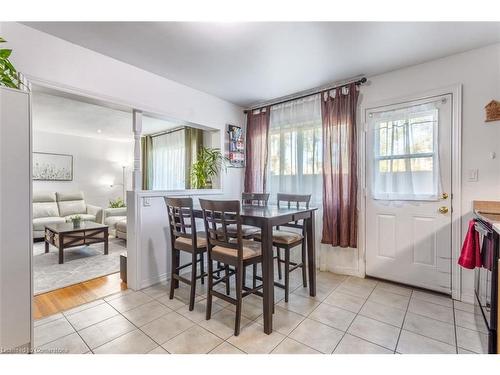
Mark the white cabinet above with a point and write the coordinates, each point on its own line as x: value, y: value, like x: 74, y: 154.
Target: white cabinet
x: 15, y: 220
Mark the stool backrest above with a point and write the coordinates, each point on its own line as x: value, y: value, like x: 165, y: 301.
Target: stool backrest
x: 217, y: 216
x: 294, y: 201
x: 254, y: 199
x: 181, y: 219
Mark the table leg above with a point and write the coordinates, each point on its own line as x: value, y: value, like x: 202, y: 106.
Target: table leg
x: 106, y: 244
x: 311, y: 253
x: 61, y: 248
x: 46, y: 243
x: 268, y: 276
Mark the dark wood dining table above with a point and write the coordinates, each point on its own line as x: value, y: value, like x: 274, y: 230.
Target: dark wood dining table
x: 266, y: 218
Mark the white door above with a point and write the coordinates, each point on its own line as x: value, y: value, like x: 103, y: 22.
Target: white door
x: 408, y: 193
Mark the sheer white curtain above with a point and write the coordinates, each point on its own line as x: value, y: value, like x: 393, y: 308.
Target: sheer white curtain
x: 168, y: 161
x: 295, y: 149
x: 406, y: 165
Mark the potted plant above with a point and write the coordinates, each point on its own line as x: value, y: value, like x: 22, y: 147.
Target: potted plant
x: 206, y: 167
x: 9, y: 77
x: 117, y: 203
x: 76, y: 220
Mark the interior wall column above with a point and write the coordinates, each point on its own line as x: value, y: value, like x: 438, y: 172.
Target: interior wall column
x: 137, y: 128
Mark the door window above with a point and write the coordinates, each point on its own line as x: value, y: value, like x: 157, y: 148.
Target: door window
x: 405, y: 156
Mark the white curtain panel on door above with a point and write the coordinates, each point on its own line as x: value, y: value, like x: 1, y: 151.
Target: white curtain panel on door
x: 295, y: 149
x: 406, y: 163
x: 168, y: 159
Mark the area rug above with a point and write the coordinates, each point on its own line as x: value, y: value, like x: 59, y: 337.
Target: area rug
x: 80, y: 264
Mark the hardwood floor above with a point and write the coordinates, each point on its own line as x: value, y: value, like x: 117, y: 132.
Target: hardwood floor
x: 58, y: 300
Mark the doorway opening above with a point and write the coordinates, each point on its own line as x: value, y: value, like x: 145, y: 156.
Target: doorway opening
x: 82, y: 165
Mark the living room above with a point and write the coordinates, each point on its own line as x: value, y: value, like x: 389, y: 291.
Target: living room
x: 82, y: 157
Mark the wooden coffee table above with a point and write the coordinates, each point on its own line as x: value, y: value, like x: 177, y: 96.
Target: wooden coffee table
x: 65, y: 235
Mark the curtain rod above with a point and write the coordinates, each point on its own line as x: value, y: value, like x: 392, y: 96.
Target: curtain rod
x: 304, y: 94
x: 167, y: 131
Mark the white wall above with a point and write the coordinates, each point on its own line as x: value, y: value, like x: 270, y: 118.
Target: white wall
x: 148, y: 235
x: 479, y: 73
x: 15, y: 220
x: 97, y: 164
x: 45, y: 58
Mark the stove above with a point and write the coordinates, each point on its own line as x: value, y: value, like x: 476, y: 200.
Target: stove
x: 486, y: 279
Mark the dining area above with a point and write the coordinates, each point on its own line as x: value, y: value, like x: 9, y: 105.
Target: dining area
x: 239, y: 246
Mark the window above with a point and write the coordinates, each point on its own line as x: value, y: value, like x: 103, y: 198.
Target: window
x: 405, y: 153
x: 295, y: 148
x: 169, y: 161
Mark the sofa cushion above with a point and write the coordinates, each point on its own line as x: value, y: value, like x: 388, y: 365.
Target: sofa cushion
x: 84, y: 217
x: 71, y: 203
x: 121, y: 226
x: 44, y: 196
x: 112, y: 220
x: 45, y: 209
x: 67, y: 208
x: 44, y: 204
x: 70, y: 196
x: 40, y: 223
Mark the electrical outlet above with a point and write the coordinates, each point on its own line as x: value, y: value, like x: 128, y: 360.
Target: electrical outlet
x: 146, y: 202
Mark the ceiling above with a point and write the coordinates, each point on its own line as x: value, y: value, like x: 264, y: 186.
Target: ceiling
x: 58, y: 112
x: 246, y: 63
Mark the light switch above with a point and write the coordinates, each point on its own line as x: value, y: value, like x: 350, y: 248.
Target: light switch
x: 146, y: 202
x: 472, y: 175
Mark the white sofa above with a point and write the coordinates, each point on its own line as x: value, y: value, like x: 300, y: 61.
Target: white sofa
x: 116, y: 220
x: 51, y: 208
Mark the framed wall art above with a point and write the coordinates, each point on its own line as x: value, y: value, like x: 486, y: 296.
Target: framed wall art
x: 52, y: 167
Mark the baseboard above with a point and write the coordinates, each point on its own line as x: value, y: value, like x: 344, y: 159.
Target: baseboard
x: 345, y: 271
x: 152, y: 281
x: 467, y: 298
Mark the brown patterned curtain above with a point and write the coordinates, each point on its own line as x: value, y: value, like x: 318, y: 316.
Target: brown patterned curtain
x: 340, y: 185
x: 256, y: 153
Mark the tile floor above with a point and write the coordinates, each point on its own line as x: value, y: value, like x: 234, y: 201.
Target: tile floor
x: 348, y: 315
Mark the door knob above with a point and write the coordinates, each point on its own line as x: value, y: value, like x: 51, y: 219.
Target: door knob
x: 444, y: 196
x: 443, y: 210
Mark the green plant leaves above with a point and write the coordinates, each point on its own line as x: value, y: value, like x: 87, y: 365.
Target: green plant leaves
x: 5, y: 53
x: 8, y: 74
x: 207, y: 165
x: 117, y: 203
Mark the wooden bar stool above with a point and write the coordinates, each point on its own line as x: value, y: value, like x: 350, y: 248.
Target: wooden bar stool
x: 254, y: 200
x: 183, y: 237
x: 234, y: 253
x: 287, y: 240
x: 249, y: 231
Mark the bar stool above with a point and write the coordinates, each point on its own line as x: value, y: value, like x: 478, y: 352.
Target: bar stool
x: 183, y: 237
x: 234, y: 253
x: 287, y: 240
x: 249, y: 231
x: 252, y: 200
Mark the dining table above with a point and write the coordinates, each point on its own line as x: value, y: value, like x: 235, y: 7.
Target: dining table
x: 266, y: 218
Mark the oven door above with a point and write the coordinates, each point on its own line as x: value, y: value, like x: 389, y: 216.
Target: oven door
x: 483, y: 275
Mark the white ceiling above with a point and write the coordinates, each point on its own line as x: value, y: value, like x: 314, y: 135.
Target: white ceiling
x: 58, y: 112
x: 245, y: 63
